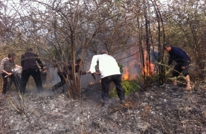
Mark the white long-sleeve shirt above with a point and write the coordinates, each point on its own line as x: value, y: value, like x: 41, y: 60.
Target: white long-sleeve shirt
x: 107, y: 65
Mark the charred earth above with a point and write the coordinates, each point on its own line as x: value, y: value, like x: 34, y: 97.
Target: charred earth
x: 158, y: 109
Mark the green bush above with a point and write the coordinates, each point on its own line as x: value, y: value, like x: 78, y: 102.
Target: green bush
x: 129, y: 86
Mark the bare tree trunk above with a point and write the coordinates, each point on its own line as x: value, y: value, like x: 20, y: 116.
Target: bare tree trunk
x: 160, y: 47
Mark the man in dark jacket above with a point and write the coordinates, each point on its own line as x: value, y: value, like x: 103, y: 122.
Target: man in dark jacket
x: 29, y: 65
x: 182, y: 63
x: 67, y: 71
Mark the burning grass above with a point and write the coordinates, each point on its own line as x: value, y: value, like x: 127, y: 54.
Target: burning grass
x: 129, y: 87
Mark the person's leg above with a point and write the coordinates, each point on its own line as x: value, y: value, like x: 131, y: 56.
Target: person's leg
x: 59, y: 84
x: 56, y: 86
x: 24, y: 79
x: 37, y: 78
x: 43, y: 76
x: 187, y: 77
x: 5, y: 83
x: 176, y: 71
x: 16, y: 79
x: 10, y: 81
x: 117, y: 79
x: 188, y: 83
x: 105, y: 88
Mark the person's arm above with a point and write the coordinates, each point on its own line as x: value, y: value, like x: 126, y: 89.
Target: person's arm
x: 8, y: 74
x: 77, y: 70
x: 22, y: 60
x: 2, y: 67
x: 82, y: 72
x: 170, y: 59
x: 39, y: 62
x: 2, y: 64
x: 92, y: 69
x: 93, y: 64
x: 18, y: 66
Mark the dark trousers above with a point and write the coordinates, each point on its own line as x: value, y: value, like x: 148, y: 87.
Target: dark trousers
x: 17, y: 79
x: 61, y: 83
x: 116, y: 79
x: 36, y: 74
x: 6, y: 82
x: 63, y: 77
x: 178, y: 69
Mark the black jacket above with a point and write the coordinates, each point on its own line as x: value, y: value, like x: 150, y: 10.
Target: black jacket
x: 29, y: 59
x: 67, y: 70
x: 179, y: 56
x: 77, y: 69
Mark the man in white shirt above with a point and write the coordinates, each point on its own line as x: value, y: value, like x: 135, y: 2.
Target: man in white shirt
x: 110, y: 72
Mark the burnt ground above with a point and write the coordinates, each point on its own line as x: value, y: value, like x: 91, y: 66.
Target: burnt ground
x: 156, y: 110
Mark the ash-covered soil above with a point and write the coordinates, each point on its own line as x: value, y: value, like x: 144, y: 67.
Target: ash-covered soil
x: 156, y: 110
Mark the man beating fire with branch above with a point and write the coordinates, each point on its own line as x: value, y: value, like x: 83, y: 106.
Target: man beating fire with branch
x: 7, y: 64
x: 182, y: 63
x: 110, y: 72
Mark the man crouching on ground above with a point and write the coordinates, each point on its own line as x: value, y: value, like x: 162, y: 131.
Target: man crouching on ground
x: 110, y: 72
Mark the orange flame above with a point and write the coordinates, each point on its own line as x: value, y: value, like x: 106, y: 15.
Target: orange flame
x: 148, y: 69
x: 126, y: 74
